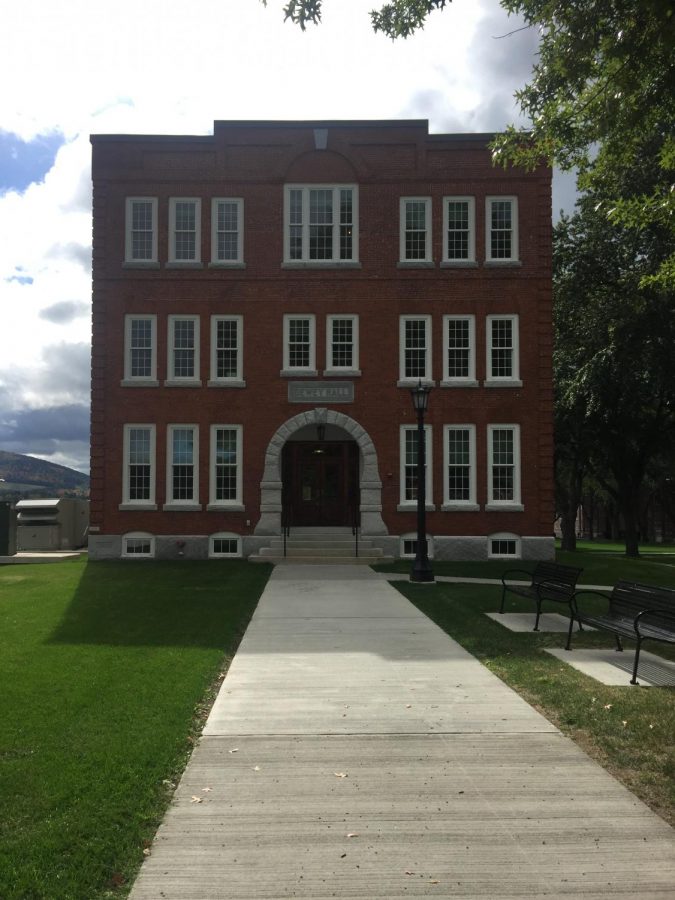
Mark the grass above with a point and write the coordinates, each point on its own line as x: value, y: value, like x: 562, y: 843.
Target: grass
x: 603, y: 563
x: 629, y: 730
x: 107, y: 670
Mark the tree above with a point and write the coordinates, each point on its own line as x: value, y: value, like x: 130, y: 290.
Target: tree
x: 613, y: 363
x: 601, y: 91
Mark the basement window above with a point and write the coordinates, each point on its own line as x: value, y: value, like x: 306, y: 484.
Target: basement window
x: 408, y: 549
x: 138, y: 545
x: 225, y: 545
x: 503, y: 546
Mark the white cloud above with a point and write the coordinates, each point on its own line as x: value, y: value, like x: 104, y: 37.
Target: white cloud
x: 129, y: 67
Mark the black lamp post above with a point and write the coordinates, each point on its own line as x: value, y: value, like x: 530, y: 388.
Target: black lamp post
x: 421, y: 570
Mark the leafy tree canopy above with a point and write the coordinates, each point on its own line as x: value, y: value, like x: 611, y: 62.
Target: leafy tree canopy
x: 602, y: 90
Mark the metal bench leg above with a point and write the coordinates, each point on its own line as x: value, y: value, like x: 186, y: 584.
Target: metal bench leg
x: 619, y: 645
x: 635, y: 664
x: 568, y: 645
x: 536, y: 621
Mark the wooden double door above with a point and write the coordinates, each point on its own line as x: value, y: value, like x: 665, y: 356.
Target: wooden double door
x: 320, y: 482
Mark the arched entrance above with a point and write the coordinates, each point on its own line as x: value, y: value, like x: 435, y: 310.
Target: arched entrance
x: 326, y: 479
x: 320, y: 482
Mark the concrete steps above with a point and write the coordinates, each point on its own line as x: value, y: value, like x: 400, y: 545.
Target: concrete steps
x: 320, y: 546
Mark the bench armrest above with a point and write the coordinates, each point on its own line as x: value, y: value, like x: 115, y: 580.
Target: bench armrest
x: 660, y: 613
x: 587, y: 593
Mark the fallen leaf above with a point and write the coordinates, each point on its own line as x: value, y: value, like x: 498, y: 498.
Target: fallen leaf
x: 434, y: 881
x: 607, y: 706
x: 651, y: 726
x: 256, y: 768
x: 340, y: 774
x: 353, y: 834
x: 408, y: 706
x: 408, y: 872
x: 196, y: 800
x: 146, y: 852
x: 234, y: 750
x: 624, y: 723
x: 206, y: 790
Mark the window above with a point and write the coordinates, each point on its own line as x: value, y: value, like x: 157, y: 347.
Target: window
x: 139, y: 466
x: 184, y: 230
x: 415, y: 349
x: 321, y: 224
x: 408, y: 546
x: 342, y: 345
x: 459, y: 450
x: 502, y: 350
x: 459, y: 217
x: 227, y: 231
x: 503, y: 545
x: 138, y: 545
x: 504, y: 466
x: 183, y: 350
x: 182, y: 469
x: 141, y: 230
x: 226, y: 351
x: 459, y: 353
x: 299, y: 345
x: 408, y: 474
x: 225, y: 466
x: 501, y: 237
x: 415, y: 241
x: 140, y: 349
x: 224, y: 544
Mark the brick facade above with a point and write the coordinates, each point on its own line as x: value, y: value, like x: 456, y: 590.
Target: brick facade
x: 252, y: 162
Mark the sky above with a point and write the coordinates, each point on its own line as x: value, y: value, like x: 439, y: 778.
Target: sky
x: 101, y: 67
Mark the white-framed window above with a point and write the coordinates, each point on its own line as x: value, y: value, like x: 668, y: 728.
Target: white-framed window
x: 501, y: 229
x: 227, y: 350
x: 140, y: 245
x: 415, y: 229
x: 224, y: 545
x: 503, y: 489
x: 342, y: 345
x: 183, y: 350
x: 414, y: 349
x: 299, y: 345
x: 321, y: 223
x: 408, y: 546
x: 227, y: 231
x: 459, y: 350
x: 182, y: 465
x: 459, y: 467
x: 502, y: 350
x: 459, y: 230
x: 185, y: 229
x: 139, y: 466
x: 408, y: 470
x: 140, y: 349
x: 138, y: 545
x: 503, y: 545
x: 225, y: 466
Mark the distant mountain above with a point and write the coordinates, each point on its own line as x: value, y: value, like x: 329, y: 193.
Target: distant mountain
x: 25, y: 476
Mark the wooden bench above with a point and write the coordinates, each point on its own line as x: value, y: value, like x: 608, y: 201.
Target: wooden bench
x: 636, y: 611
x: 548, y: 581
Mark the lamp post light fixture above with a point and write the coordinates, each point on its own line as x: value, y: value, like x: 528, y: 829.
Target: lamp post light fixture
x: 421, y: 570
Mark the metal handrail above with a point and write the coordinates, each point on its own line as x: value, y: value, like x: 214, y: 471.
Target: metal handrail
x: 355, y: 529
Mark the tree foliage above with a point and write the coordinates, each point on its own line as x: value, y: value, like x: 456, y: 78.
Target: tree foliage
x: 601, y: 90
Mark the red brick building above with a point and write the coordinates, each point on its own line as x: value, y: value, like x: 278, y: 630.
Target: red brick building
x: 263, y: 301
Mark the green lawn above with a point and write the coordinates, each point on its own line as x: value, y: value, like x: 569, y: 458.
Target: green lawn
x: 106, y: 671
x: 602, y: 563
x: 629, y: 730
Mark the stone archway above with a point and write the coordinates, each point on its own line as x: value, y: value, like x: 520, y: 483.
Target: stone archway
x: 369, y: 479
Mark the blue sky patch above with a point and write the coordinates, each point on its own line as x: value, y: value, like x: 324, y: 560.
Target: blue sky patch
x: 25, y: 162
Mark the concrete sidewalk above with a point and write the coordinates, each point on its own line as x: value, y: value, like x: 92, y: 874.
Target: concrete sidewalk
x: 355, y: 750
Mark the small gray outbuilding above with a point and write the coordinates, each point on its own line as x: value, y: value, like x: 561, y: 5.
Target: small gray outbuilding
x: 61, y: 523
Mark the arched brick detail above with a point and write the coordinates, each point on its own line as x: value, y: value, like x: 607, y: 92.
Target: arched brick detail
x: 369, y: 481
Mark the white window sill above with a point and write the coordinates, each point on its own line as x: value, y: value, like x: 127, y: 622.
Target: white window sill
x: 298, y: 373
x: 227, y: 383
x: 459, y: 264
x: 504, y: 507
x: 415, y: 264
x: 322, y: 264
x: 140, y: 264
x: 503, y: 263
x: 186, y: 382
x: 182, y: 507
x: 413, y: 382
x: 226, y: 264
x: 503, y: 383
x: 337, y: 373
x: 185, y: 264
x: 412, y: 507
x: 135, y: 507
x: 225, y: 507
x: 139, y: 382
x: 458, y: 383
x: 460, y: 507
